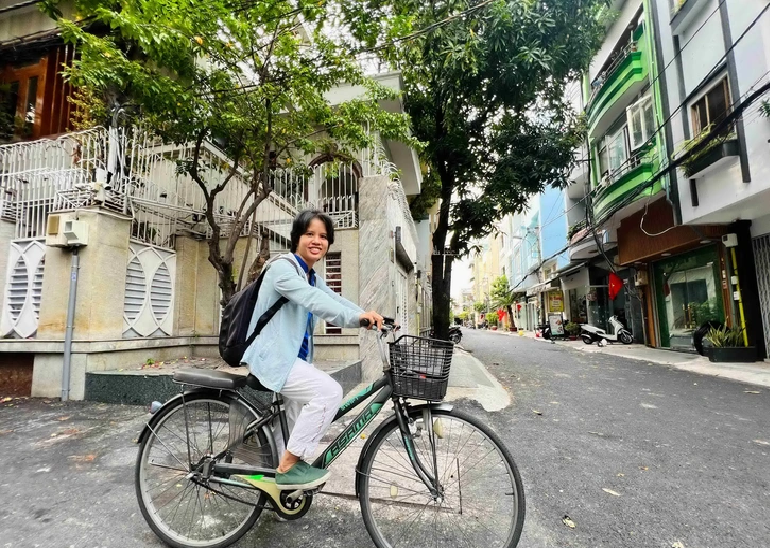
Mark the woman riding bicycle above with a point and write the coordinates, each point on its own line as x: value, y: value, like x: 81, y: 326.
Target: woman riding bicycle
x: 281, y: 356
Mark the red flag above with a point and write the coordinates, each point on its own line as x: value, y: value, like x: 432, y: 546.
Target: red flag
x: 615, y: 285
x: 500, y: 315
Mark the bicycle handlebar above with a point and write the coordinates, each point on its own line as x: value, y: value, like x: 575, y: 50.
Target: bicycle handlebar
x: 388, y: 326
x: 386, y: 322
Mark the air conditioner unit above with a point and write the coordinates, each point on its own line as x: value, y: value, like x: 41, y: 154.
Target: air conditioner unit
x: 65, y: 230
x: 641, y: 278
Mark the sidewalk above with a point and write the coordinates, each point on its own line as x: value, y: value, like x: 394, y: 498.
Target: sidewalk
x: 753, y: 373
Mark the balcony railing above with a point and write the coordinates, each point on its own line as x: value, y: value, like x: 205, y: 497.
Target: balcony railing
x: 604, y: 76
x: 133, y: 172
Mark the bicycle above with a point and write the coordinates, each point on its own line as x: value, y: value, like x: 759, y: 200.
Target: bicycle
x: 206, y: 463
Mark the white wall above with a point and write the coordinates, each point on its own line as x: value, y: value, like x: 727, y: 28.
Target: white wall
x: 706, y: 48
x: 28, y: 20
x: 627, y: 12
x: 723, y: 196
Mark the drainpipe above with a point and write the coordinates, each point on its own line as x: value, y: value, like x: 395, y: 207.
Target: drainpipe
x: 65, y: 389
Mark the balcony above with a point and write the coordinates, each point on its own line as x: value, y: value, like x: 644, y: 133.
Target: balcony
x: 618, y: 185
x: 712, y: 159
x: 624, y: 78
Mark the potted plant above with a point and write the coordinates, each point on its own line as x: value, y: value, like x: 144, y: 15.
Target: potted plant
x: 573, y: 330
x: 726, y: 344
x: 492, y: 320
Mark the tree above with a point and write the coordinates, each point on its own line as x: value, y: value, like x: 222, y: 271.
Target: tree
x: 478, y: 306
x: 502, y: 297
x: 251, y: 76
x: 485, y: 90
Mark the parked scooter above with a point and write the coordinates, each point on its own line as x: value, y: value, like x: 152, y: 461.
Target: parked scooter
x: 593, y: 334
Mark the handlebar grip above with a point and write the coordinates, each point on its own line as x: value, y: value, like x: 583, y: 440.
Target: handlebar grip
x: 363, y: 322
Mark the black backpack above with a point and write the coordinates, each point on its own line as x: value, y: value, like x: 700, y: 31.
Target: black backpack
x: 233, y: 332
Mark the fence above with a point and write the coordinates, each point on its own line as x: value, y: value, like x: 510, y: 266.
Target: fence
x: 133, y: 172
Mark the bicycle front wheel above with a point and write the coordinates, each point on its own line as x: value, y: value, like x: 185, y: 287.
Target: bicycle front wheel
x: 481, y: 500
x: 185, y: 510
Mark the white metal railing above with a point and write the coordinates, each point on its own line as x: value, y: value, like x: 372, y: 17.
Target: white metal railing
x: 133, y: 172
x: 42, y: 176
x: 603, y: 76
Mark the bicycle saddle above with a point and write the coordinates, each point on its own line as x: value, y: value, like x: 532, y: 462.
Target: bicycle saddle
x: 209, y: 378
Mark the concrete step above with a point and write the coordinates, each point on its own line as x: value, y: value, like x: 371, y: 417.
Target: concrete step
x: 154, y: 382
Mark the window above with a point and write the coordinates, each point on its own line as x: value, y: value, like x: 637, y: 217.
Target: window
x: 614, y: 150
x: 641, y: 122
x: 21, y: 96
x: 333, y: 279
x: 712, y: 108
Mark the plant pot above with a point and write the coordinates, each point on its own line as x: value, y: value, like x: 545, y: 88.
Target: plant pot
x: 573, y: 337
x: 741, y: 354
x: 494, y: 328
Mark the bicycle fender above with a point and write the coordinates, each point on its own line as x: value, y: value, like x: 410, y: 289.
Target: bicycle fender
x: 442, y: 406
x: 147, y: 425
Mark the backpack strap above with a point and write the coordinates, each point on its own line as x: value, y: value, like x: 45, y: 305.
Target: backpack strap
x: 270, y: 312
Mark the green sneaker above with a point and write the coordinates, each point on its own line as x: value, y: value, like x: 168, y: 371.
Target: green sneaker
x: 301, y: 476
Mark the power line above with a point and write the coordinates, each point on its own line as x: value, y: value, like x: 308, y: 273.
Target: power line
x: 697, y: 148
x: 708, y: 76
x: 430, y: 27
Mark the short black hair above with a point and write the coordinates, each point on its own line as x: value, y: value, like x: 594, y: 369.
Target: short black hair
x: 303, y: 220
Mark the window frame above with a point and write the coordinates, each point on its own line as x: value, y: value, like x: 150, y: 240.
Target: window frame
x: 646, y: 133
x: 23, y: 75
x: 333, y: 284
x: 702, y: 97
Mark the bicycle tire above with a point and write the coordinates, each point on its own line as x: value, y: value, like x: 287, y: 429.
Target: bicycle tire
x: 376, y: 526
x: 148, y: 508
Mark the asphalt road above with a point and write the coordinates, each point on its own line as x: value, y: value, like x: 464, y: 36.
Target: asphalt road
x: 635, y: 454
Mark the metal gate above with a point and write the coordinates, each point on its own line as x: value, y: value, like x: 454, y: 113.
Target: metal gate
x: 402, y: 300
x: 762, y: 265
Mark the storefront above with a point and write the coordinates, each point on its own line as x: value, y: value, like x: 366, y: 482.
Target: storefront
x: 681, y: 275
x: 689, y: 293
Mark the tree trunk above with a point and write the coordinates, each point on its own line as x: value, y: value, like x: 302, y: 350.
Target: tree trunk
x: 441, y: 285
x: 509, y: 309
x: 262, y: 257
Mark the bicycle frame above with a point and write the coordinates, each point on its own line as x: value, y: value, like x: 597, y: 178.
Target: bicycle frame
x: 336, y: 447
x: 384, y: 390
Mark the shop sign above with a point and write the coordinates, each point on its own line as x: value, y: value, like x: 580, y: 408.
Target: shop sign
x: 556, y: 301
x: 556, y: 321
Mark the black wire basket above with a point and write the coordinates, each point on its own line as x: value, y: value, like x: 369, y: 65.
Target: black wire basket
x: 419, y: 367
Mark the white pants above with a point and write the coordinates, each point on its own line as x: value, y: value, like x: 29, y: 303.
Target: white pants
x: 311, y: 399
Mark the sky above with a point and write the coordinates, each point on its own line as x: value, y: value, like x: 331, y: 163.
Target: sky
x: 461, y: 277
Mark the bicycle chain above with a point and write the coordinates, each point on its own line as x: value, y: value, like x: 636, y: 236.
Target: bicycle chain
x: 236, y: 499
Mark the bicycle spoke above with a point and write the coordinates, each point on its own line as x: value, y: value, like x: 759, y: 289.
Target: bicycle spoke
x: 196, y: 513
x: 475, y: 508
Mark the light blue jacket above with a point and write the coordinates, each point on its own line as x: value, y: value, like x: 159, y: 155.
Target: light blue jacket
x: 273, y: 353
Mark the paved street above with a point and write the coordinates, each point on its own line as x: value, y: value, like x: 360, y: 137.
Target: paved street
x: 635, y: 454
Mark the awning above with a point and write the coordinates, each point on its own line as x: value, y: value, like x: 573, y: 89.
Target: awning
x: 570, y: 269
x: 543, y: 287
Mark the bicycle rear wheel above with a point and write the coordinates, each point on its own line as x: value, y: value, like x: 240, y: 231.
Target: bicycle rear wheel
x: 483, y: 499
x: 185, y: 511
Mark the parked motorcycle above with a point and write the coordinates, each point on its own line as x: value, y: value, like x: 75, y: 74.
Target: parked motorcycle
x: 591, y: 334
x: 455, y: 334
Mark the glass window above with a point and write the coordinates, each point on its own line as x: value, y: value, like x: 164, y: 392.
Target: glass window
x: 689, y: 294
x: 641, y: 121
x: 30, y: 105
x: 9, y: 97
